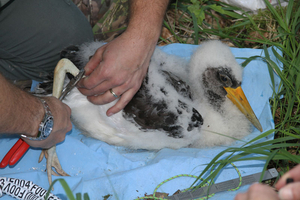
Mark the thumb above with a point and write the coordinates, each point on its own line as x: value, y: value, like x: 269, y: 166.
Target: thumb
x: 293, y: 173
x: 94, y: 60
x: 290, y: 192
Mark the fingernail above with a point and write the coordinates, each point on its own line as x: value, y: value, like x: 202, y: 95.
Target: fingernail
x: 109, y: 114
x: 289, y: 180
x: 79, y: 84
x: 285, y: 193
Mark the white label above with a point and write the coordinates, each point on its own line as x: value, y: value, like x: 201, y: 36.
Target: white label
x: 23, y: 189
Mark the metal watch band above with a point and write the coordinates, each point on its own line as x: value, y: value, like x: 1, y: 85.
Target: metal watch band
x: 46, y: 107
x: 48, y: 116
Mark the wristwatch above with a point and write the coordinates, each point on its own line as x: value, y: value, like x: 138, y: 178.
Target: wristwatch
x: 46, y: 125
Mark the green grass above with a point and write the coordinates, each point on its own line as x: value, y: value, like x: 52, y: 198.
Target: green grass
x: 67, y: 190
x: 277, y: 28
x: 282, y: 28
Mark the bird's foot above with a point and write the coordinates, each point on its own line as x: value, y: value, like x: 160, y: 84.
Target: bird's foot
x: 52, y: 162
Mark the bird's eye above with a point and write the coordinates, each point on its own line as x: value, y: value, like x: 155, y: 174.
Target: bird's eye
x: 225, y: 79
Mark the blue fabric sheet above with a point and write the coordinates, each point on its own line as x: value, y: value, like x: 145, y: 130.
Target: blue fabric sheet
x: 100, y: 169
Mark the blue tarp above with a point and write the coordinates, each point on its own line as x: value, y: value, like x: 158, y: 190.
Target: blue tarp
x: 100, y: 169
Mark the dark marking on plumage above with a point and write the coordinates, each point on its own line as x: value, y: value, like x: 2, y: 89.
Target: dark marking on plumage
x: 162, y: 64
x: 145, y: 111
x: 182, y: 105
x: 149, y: 113
x: 146, y: 79
x: 46, y: 87
x: 71, y: 53
x: 215, y: 99
x: 163, y: 91
x: 180, y: 86
x: 214, y: 80
x: 179, y: 111
x: 197, y: 120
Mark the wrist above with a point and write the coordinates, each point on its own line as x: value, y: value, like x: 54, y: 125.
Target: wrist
x: 38, y: 117
x: 46, y: 125
x: 147, y: 35
x: 144, y: 42
x: 146, y: 18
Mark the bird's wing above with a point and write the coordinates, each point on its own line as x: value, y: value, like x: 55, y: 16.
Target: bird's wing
x: 152, y: 113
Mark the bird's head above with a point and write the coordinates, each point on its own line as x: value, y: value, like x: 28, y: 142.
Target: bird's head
x: 220, y: 77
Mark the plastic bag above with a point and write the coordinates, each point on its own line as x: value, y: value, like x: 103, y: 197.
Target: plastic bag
x: 253, y: 5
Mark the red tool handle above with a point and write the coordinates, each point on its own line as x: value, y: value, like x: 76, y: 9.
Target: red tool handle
x: 10, y: 153
x: 19, y: 153
x: 14, y: 154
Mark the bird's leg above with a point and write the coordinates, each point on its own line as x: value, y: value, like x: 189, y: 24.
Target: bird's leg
x: 52, y: 161
x: 62, y: 67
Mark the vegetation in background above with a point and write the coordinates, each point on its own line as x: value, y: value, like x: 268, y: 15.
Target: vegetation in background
x: 193, y: 21
x: 68, y: 191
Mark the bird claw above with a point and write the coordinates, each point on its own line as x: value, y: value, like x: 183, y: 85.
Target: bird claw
x: 52, y: 162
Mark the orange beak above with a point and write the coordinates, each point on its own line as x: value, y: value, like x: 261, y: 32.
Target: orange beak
x: 239, y: 99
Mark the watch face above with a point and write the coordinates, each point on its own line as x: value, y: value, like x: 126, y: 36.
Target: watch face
x: 48, y: 126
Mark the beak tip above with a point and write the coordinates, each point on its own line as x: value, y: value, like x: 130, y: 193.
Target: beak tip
x: 258, y: 126
x: 237, y: 96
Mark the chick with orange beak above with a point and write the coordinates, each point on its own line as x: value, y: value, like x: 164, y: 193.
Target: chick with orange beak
x: 221, y: 101
x: 196, y: 104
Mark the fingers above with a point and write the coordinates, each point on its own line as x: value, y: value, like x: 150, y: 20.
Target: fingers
x: 88, y: 85
x: 122, y: 102
x: 290, y: 191
x: 124, y: 93
x: 93, y: 70
x: 100, y: 69
x: 102, y: 87
x: 293, y: 173
x: 102, y: 79
x: 241, y: 196
x: 258, y: 191
x: 107, y: 97
x: 120, y: 65
x: 94, y: 61
x: 61, y: 124
x: 109, y: 91
x: 123, y: 86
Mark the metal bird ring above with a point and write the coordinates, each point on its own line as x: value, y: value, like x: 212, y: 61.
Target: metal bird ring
x: 113, y: 93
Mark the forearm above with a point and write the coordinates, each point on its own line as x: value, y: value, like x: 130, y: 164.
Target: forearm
x: 121, y: 64
x: 145, y: 19
x: 20, y: 112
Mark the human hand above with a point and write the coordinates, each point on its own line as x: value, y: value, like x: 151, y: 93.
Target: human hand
x: 286, y: 191
x: 120, y: 65
x: 258, y: 191
x: 289, y: 191
x: 62, y: 124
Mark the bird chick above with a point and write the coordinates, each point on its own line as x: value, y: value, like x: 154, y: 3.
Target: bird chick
x: 214, y: 66
x: 179, y: 104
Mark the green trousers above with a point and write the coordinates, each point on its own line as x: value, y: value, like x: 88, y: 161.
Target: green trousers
x: 32, y: 34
